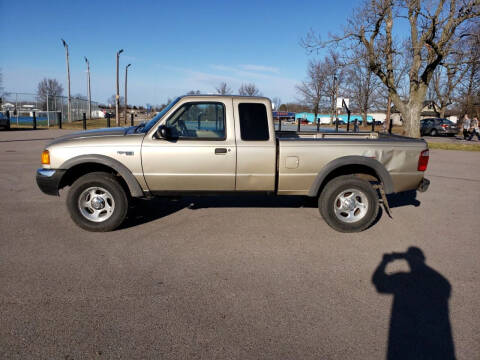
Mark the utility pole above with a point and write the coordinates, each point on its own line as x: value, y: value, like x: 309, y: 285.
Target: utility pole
x: 117, y: 95
x: 65, y: 45
x: 88, y: 90
x: 126, y: 103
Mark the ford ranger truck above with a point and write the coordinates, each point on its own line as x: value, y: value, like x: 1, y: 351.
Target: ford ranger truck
x: 227, y: 144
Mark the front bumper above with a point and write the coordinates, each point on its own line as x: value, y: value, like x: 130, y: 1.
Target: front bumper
x: 48, y: 180
x: 423, y: 186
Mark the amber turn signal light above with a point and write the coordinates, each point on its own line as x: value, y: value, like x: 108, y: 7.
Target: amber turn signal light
x: 45, y: 157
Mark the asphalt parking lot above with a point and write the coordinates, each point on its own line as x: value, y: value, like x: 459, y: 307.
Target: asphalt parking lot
x: 236, y: 277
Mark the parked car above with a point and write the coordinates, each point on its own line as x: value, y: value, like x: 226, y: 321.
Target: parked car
x: 4, y: 121
x: 437, y: 126
x: 227, y: 144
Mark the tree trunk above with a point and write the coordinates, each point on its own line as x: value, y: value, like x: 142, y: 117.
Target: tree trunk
x: 411, y: 116
x: 387, y: 118
x: 442, y: 111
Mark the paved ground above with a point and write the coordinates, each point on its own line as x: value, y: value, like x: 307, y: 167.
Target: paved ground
x: 242, y: 278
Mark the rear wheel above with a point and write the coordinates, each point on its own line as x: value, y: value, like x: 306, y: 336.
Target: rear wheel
x: 348, y: 204
x: 433, y: 132
x: 97, y: 202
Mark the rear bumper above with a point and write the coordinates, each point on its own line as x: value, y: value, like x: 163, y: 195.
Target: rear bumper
x: 423, y: 186
x: 48, y: 180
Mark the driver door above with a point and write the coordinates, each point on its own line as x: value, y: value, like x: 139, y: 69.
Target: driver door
x: 200, y: 153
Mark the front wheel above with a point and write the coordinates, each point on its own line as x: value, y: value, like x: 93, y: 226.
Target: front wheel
x: 348, y: 204
x: 97, y: 202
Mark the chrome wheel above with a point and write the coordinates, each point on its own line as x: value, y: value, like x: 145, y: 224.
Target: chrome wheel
x: 350, y: 205
x: 96, y: 204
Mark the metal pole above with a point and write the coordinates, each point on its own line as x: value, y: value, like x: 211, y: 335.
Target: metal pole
x: 117, y: 95
x: 131, y: 119
x: 373, y: 124
x: 88, y: 90
x: 334, y: 100
x: 84, y: 120
x: 65, y: 45
x: 16, y: 106
x: 48, y: 114
x: 34, y: 121
x: 126, y: 103
x: 59, y: 119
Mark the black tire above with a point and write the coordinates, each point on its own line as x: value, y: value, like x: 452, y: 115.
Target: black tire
x: 111, y: 194
x: 433, y: 132
x: 331, y: 195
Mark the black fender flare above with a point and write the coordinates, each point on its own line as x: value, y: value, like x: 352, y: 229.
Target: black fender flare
x: 374, y: 164
x: 125, y: 173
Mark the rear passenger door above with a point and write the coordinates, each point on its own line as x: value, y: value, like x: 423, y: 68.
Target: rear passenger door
x: 256, y: 145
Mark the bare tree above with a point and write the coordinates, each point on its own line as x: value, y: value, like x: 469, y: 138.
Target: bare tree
x: 277, y: 102
x: 1, y: 82
x: 50, y: 87
x: 468, y: 91
x: 223, y: 89
x: 362, y: 87
x: 433, y: 27
x: 249, y: 90
x: 312, y: 89
x: 112, y: 99
x: 80, y: 97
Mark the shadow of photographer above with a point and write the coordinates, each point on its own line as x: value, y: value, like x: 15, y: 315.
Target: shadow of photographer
x: 419, y: 324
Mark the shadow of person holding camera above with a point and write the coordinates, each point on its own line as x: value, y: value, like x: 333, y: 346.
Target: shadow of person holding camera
x: 419, y: 324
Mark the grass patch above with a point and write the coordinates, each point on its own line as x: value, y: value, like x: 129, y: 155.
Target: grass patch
x: 450, y: 146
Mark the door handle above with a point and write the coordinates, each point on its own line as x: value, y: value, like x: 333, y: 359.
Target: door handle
x: 220, y: 151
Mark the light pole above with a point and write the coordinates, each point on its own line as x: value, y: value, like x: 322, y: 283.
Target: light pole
x: 117, y: 95
x: 126, y: 103
x: 88, y: 89
x: 335, y: 96
x: 65, y: 45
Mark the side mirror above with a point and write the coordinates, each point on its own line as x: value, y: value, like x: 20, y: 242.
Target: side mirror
x: 163, y: 132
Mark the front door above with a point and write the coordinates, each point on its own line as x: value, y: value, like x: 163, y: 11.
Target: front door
x: 199, y: 156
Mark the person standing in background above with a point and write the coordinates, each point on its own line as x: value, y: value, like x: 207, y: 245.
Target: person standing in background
x: 466, y: 127
x: 475, y: 130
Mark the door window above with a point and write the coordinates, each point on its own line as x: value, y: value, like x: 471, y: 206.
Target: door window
x: 200, y: 120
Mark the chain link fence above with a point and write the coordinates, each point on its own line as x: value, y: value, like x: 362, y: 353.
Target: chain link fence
x: 48, y: 109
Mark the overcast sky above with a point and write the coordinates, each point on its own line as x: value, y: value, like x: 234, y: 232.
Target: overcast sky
x: 173, y: 47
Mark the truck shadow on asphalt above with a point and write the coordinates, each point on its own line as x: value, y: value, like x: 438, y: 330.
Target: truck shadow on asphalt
x: 144, y: 211
x: 420, y: 320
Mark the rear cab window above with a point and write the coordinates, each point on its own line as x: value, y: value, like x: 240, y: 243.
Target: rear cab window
x: 253, y: 122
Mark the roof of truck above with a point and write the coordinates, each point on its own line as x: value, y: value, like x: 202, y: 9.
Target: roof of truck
x: 226, y: 96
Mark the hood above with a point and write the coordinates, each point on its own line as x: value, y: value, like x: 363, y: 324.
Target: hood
x: 116, y: 131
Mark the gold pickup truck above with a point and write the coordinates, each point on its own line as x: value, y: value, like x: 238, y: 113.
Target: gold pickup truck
x: 227, y: 144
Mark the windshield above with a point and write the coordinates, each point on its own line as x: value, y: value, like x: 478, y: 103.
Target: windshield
x: 157, y: 117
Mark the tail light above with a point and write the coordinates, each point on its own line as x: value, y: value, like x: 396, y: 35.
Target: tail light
x: 444, y: 126
x: 423, y: 160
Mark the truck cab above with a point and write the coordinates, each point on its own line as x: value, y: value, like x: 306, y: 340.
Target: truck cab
x: 207, y: 144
